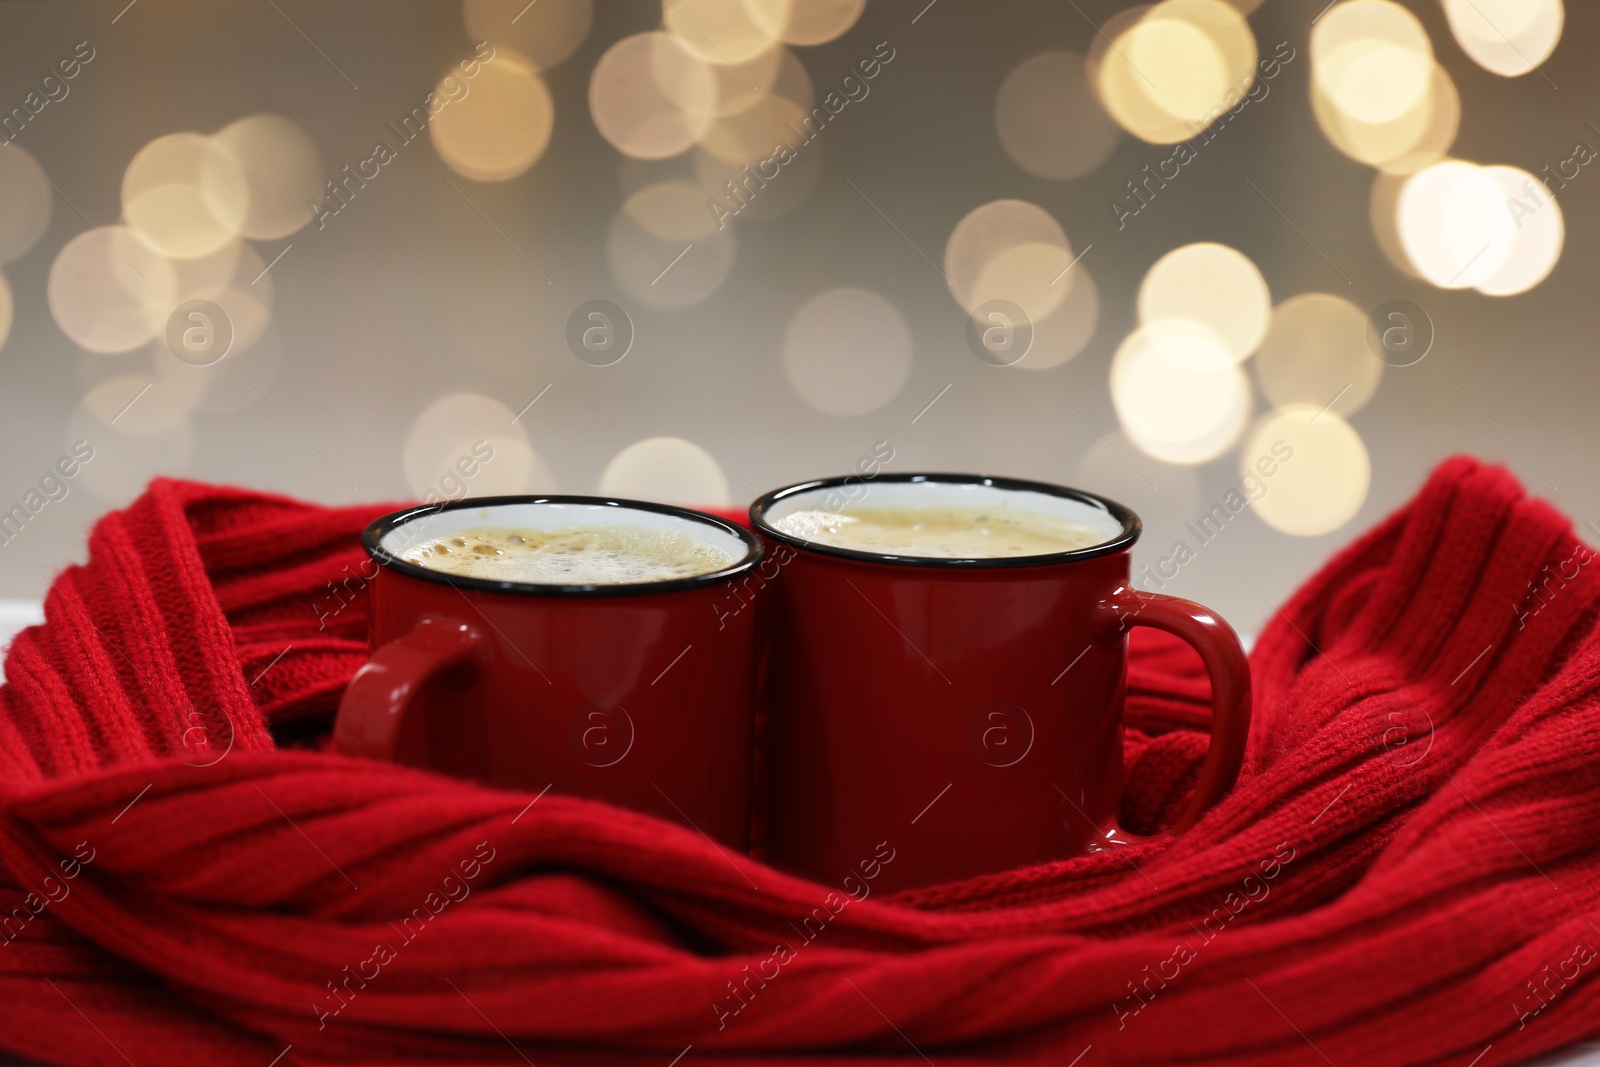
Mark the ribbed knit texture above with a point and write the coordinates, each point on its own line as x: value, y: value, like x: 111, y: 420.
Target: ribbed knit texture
x: 1411, y: 851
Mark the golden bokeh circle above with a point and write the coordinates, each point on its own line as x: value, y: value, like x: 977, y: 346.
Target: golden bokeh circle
x: 1213, y: 285
x: 480, y: 431
x: 1009, y: 250
x: 1067, y: 330
x: 282, y: 173
x: 665, y: 248
x: 847, y: 351
x: 816, y: 21
x: 1454, y: 224
x: 1316, y: 353
x: 102, y: 283
x: 750, y: 136
x: 26, y: 200
x: 760, y: 193
x: 1412, y: 140
x: 726, y: 32
x: 1049, y: 120
x: 186, y: 194
x: 652, y: 97
x: 1383, y: 211
x: 1538, y: 237
x: 1178, y: 391
x: 775, y: 71
x: 547, y: 32
x: 1371, y: 59
x: 7, y: 309
x: 501, y: 126
x: 669, y: 470
x: 1443, y: 125
x: 1323, y: 483
x: 1168, y: 72
x: 1506, y: 37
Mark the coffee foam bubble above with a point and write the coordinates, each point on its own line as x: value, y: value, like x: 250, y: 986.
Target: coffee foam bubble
x: 578, y: 555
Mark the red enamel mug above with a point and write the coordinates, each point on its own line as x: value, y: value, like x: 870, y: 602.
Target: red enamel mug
x: 640, y: 694
x: 967, y: 712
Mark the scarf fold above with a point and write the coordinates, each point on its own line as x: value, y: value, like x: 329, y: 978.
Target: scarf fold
x: 1408, y: 871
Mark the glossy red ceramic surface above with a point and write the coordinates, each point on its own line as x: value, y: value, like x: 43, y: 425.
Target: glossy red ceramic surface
x: 644, y: 701
x: 968, y: 715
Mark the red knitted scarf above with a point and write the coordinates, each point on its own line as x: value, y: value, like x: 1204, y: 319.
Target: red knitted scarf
x: 1406, y: 873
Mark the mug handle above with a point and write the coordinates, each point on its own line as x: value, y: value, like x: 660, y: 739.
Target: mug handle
x: 381, y: 694
x: 1229, y: 670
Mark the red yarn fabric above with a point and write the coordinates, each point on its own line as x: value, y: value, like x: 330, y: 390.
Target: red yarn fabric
x: 1407, y: 872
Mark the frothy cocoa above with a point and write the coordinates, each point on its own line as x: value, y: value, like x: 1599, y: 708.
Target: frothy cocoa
x: 942, y: 532
x: 575, y: 555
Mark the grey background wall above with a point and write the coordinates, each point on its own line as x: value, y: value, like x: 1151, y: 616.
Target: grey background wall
x: 429, y: 283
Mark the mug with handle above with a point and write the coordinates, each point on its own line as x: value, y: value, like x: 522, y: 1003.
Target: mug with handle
x: 639, y: 694
x: 967, y: 712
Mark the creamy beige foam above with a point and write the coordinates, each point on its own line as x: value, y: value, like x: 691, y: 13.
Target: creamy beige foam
x: 576, y: 555
x: 942, y: 532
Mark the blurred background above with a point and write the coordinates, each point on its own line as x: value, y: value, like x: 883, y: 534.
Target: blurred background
x: 1252, y: 268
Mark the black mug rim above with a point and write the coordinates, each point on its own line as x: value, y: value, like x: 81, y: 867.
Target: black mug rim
x: 1121, y: 542
x: 372, y: 540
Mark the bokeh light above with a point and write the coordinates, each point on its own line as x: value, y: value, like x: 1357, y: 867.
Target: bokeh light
x: 1412, y: 140
x: 1179, y: 391
x: 665, y: 248
x: 101, y: 285
x: 282, y: 172
x: 1009, y: 250
x: 468, y: 432
x: 651, y: 96
x: 246, y: 299
x: 1507, y: 37
x: 1316, y: 353
x: 1170, y: 71
x: 204, y: 277
x: 768, y: 198
x: 762, y: 104
x: 775, y: 71
x: 1371, y: 59
x: 1066, y: 331
x: 749, y: 136
x: 1454, y: 224
x: 1383, y: 211
x: 186, y: 194
x: 26, y: 200
x: 501, y: 126
x: 1323, y: 483
x: 1049, y: 121
x: 726, y: 32
x: 142, y: 405
x: 1443, y: 124
x: 546, y: 32
x: 1213, y: 285
x: 815, y: 21
x: 666, y: 469
x: 847, y: 351
x: 7, y: 309
x: 1539, y: 234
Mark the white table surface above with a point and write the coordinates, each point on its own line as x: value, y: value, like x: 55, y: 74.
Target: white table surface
x: 17, y: 614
